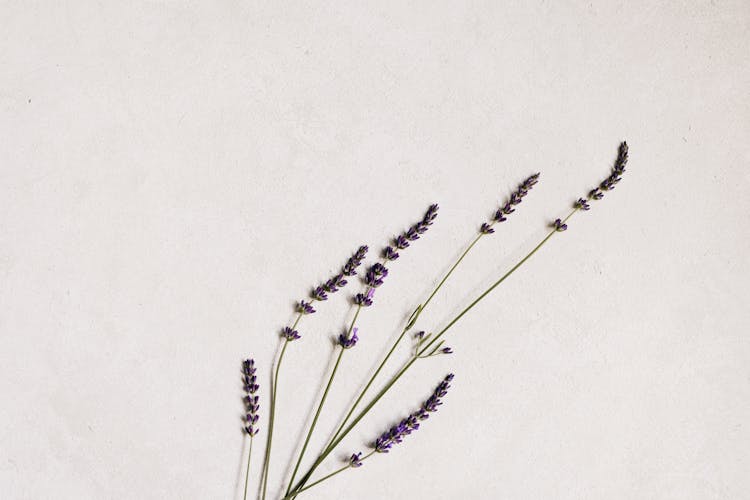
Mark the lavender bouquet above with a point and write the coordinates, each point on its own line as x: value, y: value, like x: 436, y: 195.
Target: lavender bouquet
x: 424, y: 345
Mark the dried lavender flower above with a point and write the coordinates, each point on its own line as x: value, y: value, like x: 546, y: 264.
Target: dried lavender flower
x: 249, y: 381
x: 337, y: 281
x: 375, y: 275
x: 582, y: 204
x: 304, y: 307
x: 559, y: 225
x: 389, y: 253
x: 350, y: 268
x: 355, y: 460
x: 401, y: 242
x: 396, y: 434
x: 446, y: 350
x: 364, y: 299
x: 608, y: 184
x: 319, y: 293
x: 289, y: 334
x: 515, y: 198
x: 348, y: 342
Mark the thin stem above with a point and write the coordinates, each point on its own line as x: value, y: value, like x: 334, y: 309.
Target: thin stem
x: 272, y: 413
x: 342, y: 469
x: 322, y: 402
x: 398, y: 375
x: 247, y: 471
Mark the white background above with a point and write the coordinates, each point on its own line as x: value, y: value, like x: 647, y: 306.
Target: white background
x: 173, y: 175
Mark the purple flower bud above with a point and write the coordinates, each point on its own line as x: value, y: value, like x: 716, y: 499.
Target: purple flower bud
x: 349, y: 342
x: 390, y: 253
x: 305, y: 307
x: 250, y: 398
x: 582, y: 204
x: 446, y: 350
x: 486, y: 229
x: 412, y: 234
x: 401, y: 242
x: 319, y: 293
x: 596, y: 194
x: 508, y: 209
x: 290, y: 334
x: 355, y: 460
x: 364, y: 299
x: 499, y: 216
x: 375, y: 275
x: 431, y: 214
x: 559, y: 225
x: 419, y: 335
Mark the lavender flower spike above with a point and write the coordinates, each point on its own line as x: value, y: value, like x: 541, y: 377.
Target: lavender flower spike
x: 396, y: 434
x: 249, y: 381
x: 559, y: 225
x: 338, y: 281
x: 515, y: 199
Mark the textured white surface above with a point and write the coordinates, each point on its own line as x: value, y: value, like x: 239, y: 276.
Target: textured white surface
x: 173, y: 175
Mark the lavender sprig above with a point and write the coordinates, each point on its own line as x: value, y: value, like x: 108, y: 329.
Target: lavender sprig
x: 397, y: 433
x: 392, y: 436
x: 250, y: 386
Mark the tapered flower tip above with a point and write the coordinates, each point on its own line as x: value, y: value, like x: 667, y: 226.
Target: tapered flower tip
x: 446, y: 350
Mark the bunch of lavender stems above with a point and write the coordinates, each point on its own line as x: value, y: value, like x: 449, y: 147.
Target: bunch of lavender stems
x: 373, y: 279
x: 559, y: 225
x: 290, y: 334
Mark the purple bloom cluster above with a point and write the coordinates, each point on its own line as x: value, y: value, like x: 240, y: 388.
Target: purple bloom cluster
x: 349, y: 342
x: 608, y: 184
x: 402, y: 241
x: 396, y: 434
x: 559, y: 225
x: 364, y: 299
x: 375, y: 275
x: 515, y: 198
x: 355, y: 460
x: 290, y: 334
x: 335, y: 283
x: 249, y: 381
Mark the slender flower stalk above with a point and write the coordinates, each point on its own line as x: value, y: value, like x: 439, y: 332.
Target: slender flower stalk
x: 558, y: 226
x: 395, y: 435
x: 250, y: 385
x: 290, y: 334
x: 374, y: 278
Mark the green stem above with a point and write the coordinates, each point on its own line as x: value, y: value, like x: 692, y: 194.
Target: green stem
x: 322, y: 402
x: 398, y: 375
x: 247, y: 471
x: 272, y: 414
x: 342, y: 469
